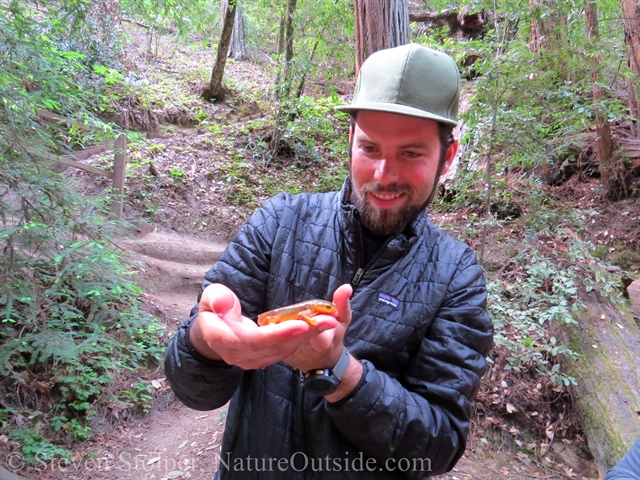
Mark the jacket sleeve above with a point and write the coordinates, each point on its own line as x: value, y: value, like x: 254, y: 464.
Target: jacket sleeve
x: 629, y: 467
x: 423, y: 415
x: 198, y: 382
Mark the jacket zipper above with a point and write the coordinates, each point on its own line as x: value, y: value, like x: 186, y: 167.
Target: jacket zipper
x: 357, y: 277
x: 355, y: 281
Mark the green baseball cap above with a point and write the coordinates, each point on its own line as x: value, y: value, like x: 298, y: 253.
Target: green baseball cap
x: 409, y: 80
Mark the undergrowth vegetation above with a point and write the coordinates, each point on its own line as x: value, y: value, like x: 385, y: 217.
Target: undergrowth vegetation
x: 72, y: 331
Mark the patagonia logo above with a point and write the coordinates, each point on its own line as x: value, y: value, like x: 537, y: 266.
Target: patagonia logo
x: 388, y: 299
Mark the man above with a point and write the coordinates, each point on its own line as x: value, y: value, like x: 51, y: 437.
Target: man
x: 381, y: 390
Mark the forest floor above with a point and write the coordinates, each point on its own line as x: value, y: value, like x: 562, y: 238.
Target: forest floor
x: 187, y: 190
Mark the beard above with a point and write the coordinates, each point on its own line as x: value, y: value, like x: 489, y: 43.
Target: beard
x: 384, y: 222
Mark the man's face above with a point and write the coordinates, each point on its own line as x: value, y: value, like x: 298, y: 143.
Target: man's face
x: 394, y: 165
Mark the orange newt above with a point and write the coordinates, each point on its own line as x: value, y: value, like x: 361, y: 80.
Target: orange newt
x: 298, y: 311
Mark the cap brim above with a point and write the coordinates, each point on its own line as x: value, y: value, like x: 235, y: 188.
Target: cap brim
x: 395, y: 108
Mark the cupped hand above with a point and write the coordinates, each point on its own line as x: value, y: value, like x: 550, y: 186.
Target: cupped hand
x: 324, y: 349
x: 221, y: 332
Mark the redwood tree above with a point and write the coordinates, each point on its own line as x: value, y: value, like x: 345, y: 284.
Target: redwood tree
x: 380, y: 24
x: 535, y: 43
x: 549, y: 35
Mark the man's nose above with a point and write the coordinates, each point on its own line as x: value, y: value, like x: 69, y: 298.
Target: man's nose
x: 386, y: 171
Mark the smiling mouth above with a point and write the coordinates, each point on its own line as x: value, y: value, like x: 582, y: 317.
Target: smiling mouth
x: 387, y: 196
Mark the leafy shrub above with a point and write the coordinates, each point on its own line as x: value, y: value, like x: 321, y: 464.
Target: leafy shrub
x: 542, y: 295
x: 70, y: 316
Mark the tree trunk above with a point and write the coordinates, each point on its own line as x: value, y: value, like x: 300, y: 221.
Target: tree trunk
x: 631, y: 19
x: 607, y: 396
x: 613, y: 173
x: 285, y: 46
x: 283, y: 78
x: 238, y: 47
x: 380, y: 24
x: 549, y: 38
x: 283, y: 21
x: 215, y: 90
x: 300, y: 89
x: 548, y: 26
x: 288, y: 30
x: 535, y: 42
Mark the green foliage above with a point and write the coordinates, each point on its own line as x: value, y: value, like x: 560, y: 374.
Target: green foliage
x: 314, y: 124
x: 70, y: 316
x: 176, y: 173
x: 332, y: 179
x: 543, y: 100
x: 530, y: 109
x: 35, y: 446
x: 521, y: 309
x: 198, y: 18
x: 70, y: 319
x: 324, y: 38
x: 138, y: 396
x: 525, y: 311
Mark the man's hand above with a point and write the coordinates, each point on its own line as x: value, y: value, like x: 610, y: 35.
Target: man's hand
x: 323, y: 350
x: 220, y: 332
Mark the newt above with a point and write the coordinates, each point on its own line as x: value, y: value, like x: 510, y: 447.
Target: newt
x: 298, y: 311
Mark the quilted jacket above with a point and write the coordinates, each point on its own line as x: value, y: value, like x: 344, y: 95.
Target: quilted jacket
x: 419, y: 328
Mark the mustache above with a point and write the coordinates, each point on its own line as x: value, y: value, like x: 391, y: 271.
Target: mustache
x: 371, y: 187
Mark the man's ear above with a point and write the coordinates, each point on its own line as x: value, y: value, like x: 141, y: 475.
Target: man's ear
x: 449, y: 156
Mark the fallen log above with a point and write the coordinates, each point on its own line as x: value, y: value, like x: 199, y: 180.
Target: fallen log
x: 463, y: 23
x: 607, y: 396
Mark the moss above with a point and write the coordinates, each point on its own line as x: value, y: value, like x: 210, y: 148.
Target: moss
x: 606, y: 395
x: 600, y: 252
x: 625, y: 257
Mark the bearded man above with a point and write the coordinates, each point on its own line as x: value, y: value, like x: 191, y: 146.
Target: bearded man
x: 380, y: 387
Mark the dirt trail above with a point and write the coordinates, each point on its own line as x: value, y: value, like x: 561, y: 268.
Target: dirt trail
x: 173, y: 441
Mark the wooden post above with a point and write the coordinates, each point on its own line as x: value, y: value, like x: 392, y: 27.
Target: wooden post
x: 119, y: 163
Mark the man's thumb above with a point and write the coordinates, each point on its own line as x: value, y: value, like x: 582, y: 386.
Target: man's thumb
x: 220, y: 300
x: 341, y: 299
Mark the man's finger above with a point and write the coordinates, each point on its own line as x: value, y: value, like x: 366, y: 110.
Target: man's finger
x: 323, y: 341
x: 341, y: 298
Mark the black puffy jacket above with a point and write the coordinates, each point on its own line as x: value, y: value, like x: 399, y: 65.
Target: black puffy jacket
x: 419, y: 327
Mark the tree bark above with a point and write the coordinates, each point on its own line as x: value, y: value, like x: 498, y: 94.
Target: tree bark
x: 283, y: 21
x: 607, y: 396
x: 288, y: 30
x: 380, y: 24
x: 215, y: 90
x: 631, y: 19
x: 535, y: 41
x: 612, y: 173
x: 238, y: 47
x: 548, y: 26
x: 285, y: 46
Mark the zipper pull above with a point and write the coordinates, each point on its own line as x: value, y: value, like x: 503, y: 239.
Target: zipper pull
x: 357, y: 277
